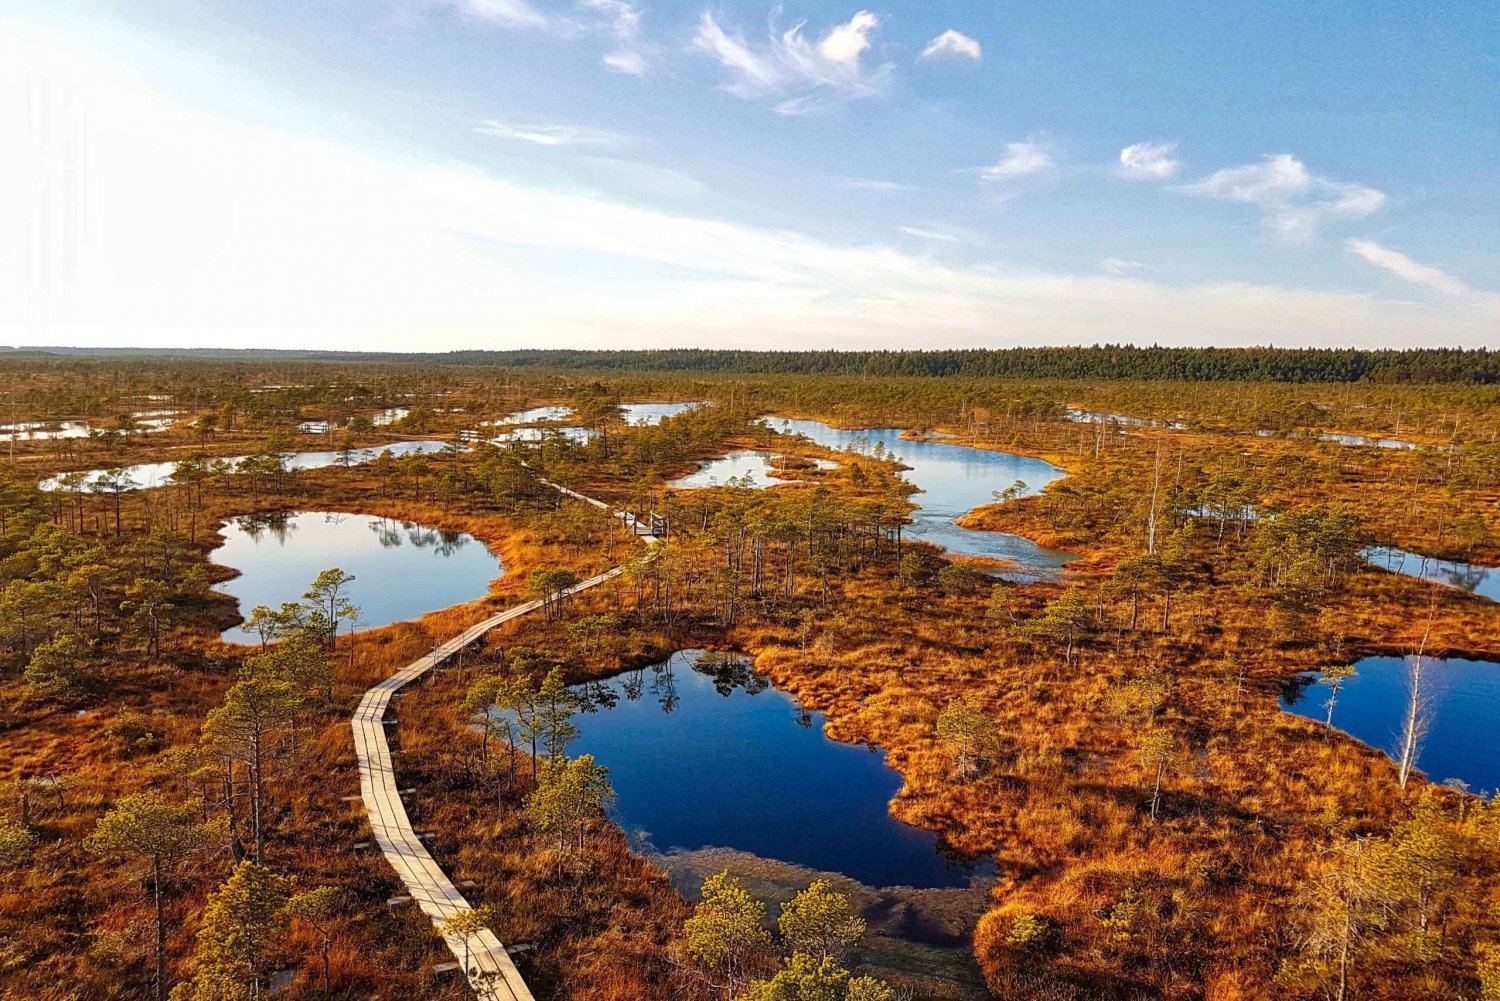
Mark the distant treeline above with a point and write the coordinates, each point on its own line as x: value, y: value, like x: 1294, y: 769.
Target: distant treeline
x: 1100, y: 362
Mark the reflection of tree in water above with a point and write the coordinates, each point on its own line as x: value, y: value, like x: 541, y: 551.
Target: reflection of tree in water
x: 730, y: 671
x: 387, y: 532
x: 279, y: 525
x: 596, y: 695
x: 634, y: 684
x: 664, y: 685
x: 392, y: 533
x: 1464, y: 576
x: 1294, y: 690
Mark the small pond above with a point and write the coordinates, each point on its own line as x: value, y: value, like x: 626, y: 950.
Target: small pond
x: 634, y: 414
x: 1079, y: 416
x: 156, y: 474
x: 402, y: 570
x: 954, y: 479
x: 1481, y: 580
x: 703, y: 752
x: 146, y: 422
x: 747, y: 466
x: 1464, y: 712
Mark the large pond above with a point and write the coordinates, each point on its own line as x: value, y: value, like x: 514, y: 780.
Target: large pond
x: 155, y: 474
x: 402, y: 570
x: 703, y: 752
x: 1480, y: 580
x: 1463, y: 710
x: 954, y: 479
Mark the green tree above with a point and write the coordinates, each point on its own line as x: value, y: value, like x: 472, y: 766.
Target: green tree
x: 463, y: 926
x: 807, y: 979
x: 552, y: 586
x: 569, y: 795
x: 300, y: 659
x: 148, y: 602
x: 556, y: 704
x: 958, y: 579
x: 328, y: 596
x: 245, y: 728
x: 1065, y: 620
x: 1157, y: 748
x: 819, y: 922
x: 319, y: 909
x: 56, y: 665
x: 725, y: 941
x: 144, y: 828
x: 16, y: 844
x: 969, y: 733
x: 240, y: 931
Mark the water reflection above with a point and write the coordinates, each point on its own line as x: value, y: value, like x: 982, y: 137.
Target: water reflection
x: 1471, y: 577
x: 156, y: 474
x: 745, y: 467
x: 954, y: 479
x: 704, y: 752
x: 396, y: 578
x: 1461, y: 700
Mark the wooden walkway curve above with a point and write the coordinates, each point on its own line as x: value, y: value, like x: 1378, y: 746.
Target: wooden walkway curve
x: 490, y: 970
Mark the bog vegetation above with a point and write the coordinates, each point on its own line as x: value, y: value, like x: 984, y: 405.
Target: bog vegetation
x: 180, y: 816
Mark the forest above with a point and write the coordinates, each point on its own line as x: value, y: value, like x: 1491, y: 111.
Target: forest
x: 1166, y: 674
x: 1101, y: 362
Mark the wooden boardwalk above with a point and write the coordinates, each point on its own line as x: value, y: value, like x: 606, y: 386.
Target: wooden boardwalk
x: 490, y: 970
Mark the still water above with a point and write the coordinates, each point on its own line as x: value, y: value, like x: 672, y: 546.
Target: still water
x: 704, y: 752
x: 1464, y: 708
x: 156, y: 474
x: 748, y: 467
x: 1480, y: 580
x: 402, y: 570
x: 954, y: 479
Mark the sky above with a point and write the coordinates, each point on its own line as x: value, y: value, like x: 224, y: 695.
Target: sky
x: 442, y: 174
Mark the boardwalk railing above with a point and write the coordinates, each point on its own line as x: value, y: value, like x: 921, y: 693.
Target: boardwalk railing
x: 487, y: 964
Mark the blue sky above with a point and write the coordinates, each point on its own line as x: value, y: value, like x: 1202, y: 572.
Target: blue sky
x: 403, y: 174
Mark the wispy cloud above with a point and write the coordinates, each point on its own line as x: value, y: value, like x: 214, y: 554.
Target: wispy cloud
x: 953, y: 43
x: 620, y: 19
x: 1294, y: 203
x: 341, y: 247
x: 552, y: 135
x: 516, y: 13
x: 873, y: 184
x: 1120, y: 266
x: 802, y: 74
x: 1396, y: 263
x: 1021, y: 159
x: 923, y: 233
x: 1148, y: 161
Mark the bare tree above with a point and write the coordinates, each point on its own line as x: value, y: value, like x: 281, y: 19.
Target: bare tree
x: 1418, y: 720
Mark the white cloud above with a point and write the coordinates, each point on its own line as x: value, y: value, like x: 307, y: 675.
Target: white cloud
x: 515, y: 13
x: 1408, y: 270
x: 552, y: 135
x: 1148, y: 161
x: 873, y: 184
x: 930, y: 234
x: 1293, y: 202
x: 197, y: 229
x: 622, y: 20
x: 1120, y: 266
x: 953, y: 43
x: 629, y: 63
x: 801, y: 74
x: 845, y: 43
x: 1021, y: 159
